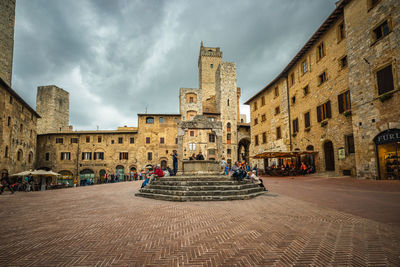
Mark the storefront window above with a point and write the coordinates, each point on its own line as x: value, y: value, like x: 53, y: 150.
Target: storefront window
x: 388, y: 153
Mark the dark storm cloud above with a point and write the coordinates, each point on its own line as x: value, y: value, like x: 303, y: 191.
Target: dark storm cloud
x: 118, y: 57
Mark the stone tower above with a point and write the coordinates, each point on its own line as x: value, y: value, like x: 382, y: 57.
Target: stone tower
x: 52, y: 104
x: 7, y: 21
x: 209, y: 60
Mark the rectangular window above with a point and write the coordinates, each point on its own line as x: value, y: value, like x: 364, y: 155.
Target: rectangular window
x: 86, y: 155
x: 264, y: 137
x: 149, y: 156
x: 11, y: 99
x: 211, y: 138
x: 98, y: 155
x: 322, y: 78
x: 276, y: 91
x: 211, y: 152
x: 291, y: 79
x: 255, y: 121
x: 47, y: 156
x: 147, y: 140
x: 65, y: 155
x: 307, y: 122
x: 263, y: 117
x: 9, y: 121
x: 161, y: 119
x: 191, y: 99
x: 324, y: 111
x: 341, y: 32
x: 112, y: 141
x: 262, y: 100
x: 228, y: 138
x: 99, y: 139
x: 132, y: 140
x: 277, y: 110
x: 278, y: 133
x: 381, y: 31
x: 59, y: 140
x: 384, y: 79
x: 120, y: 140
x: 162, y: 140
x: 296, y: 125
x: 176, y: 140
x: 343, y: 62
x: 256, y: 140
x: 293, y: 99
x: 87, y: 139
x: 320, y: 51
x: 191, y: 133
x: 123, y: 155
x: 229, y: 151
x: 192, y: 146
x: 344, y: 102
x: 255, y: 105
x: 350, y: 144
x: 74, y: 140
x: 304, y: 66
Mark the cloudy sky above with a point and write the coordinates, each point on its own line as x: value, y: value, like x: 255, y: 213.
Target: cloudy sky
x: 117, y: 57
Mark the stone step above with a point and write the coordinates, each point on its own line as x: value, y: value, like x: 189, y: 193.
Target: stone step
x: 198, y: 183
x: 202, y: 193
x: 197, y: 178
x: 199, y: 198
x: 202, y: 187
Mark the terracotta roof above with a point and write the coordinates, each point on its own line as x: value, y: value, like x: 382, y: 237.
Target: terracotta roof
x: 333, y: 17
x: 16, y: 96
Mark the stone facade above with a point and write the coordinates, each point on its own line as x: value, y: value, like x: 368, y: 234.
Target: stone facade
x: 356, y: 45
x: 7, y: 21
x: 52, y: 103
x: 17, y: 132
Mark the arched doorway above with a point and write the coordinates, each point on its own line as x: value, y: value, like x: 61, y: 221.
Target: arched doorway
x: 86, y: 177
x: 4, y: 172
x: 329, y: 156
x: 388, y: 154
x: 164, y: 164
x: 243, y: 150
x: 120, y: 173
x: 66, y: 176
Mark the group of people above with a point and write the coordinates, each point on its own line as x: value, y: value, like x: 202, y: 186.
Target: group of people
x: 289, y: 168
x: 197, y: 157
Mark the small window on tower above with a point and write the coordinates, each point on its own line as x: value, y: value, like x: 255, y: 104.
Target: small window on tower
x: 211, y: 65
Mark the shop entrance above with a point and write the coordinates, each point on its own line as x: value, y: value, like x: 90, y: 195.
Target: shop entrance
x: 388, y: 154
x: 329, y: 156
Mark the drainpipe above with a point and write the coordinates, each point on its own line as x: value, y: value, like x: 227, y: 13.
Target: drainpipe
x: 77, y: 160
x: 288, y: 104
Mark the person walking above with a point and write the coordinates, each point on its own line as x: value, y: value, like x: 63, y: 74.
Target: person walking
x: 174, y: 162
x: 5, y: 182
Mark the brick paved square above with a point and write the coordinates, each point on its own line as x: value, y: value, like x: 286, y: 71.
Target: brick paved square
x: 107, y: 225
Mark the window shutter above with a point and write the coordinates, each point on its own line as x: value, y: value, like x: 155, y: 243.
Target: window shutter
x: 328, y: 109
x: 385, y: 80
x: 319, y: 117
x: 340, y: 102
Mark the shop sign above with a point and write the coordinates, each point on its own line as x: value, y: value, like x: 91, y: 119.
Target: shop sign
x: 388, y: 136
x: 341, y: 153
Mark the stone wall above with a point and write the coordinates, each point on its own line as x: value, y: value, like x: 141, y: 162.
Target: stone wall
x: 52, y: 104
x: 209, y: 60
x: 366, y: 56
x: 186, y: 106
x: 7, y: 21
x: 17, y: 132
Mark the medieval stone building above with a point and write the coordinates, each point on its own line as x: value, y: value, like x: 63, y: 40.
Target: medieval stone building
x: 339, y: 96
x: 90, y: 154
x: 17, y: 119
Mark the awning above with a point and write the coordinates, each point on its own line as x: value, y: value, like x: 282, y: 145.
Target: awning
x: 37, y: 173
x: 282, y: 154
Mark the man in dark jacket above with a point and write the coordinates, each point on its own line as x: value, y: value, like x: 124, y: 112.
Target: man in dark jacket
x: 200, y: 156
x: 5, y: 182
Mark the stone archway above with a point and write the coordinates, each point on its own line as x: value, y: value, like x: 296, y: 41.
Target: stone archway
x: 243, y: 150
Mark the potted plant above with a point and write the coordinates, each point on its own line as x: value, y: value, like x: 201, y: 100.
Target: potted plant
x: 324, y: 123
x: 347, y: 113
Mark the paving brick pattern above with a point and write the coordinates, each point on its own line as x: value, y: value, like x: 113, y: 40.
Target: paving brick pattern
x: 106, y: 225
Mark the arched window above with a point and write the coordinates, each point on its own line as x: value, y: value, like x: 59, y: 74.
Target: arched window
x: 30, y: 157
x: 228, y: 127
x: 310, y: 148
x: 149, y: 120
x: 19, y: 155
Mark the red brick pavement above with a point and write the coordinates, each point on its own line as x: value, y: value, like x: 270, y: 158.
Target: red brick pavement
x: 372, y: 199
x: 107, y: 225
